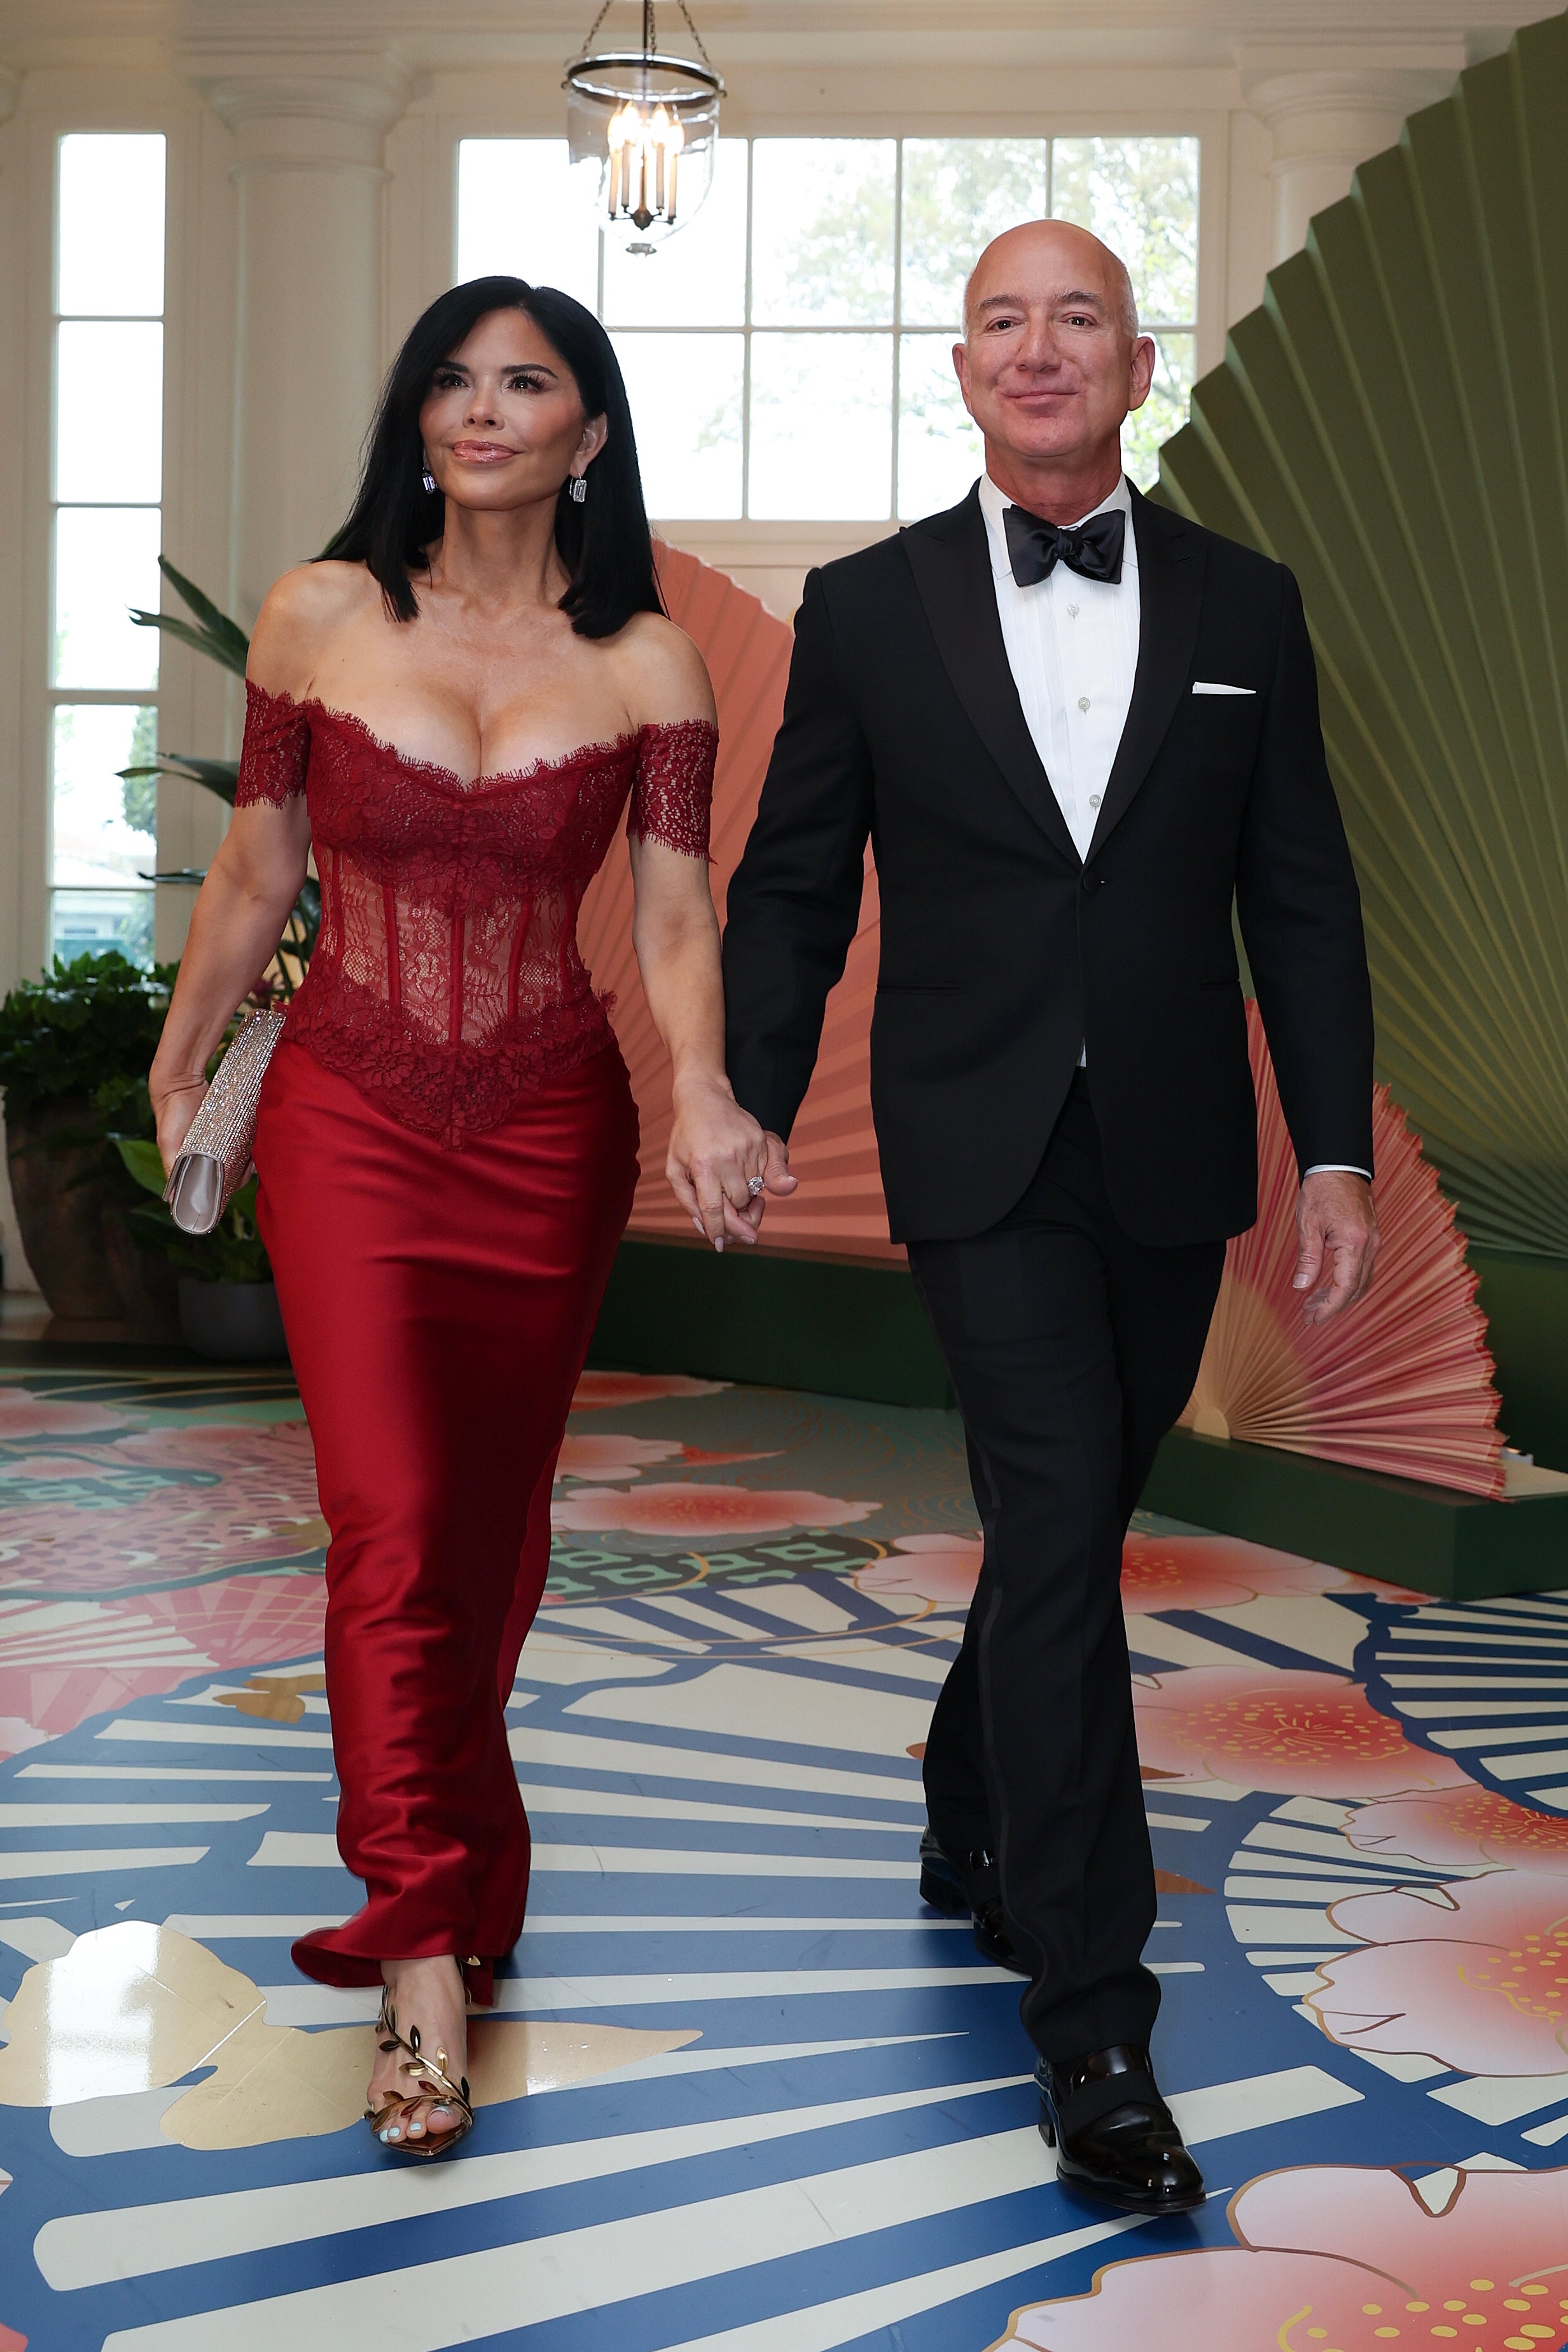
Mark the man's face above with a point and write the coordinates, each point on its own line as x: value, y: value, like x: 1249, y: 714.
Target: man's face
x: 1047, y: 367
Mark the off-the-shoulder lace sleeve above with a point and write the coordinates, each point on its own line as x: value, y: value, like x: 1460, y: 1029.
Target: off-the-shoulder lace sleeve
x: 672, y: 792
x: 276, y: 751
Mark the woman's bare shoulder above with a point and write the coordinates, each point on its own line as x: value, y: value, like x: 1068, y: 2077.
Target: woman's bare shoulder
x: 665, y: 677
x: 300, y: 612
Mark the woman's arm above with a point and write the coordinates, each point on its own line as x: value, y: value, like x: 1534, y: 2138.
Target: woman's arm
x: 235, y: 926
x: 252, y: 883
x: 716, y: 1149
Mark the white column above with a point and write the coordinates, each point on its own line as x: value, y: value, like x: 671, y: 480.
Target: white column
x: 1323, y: 123
x: 310, y: 176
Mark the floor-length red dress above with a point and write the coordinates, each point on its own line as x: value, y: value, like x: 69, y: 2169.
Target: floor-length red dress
x: 448, y: 1148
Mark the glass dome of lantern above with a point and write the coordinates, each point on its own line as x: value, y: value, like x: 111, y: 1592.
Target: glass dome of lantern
x: 642, y: 127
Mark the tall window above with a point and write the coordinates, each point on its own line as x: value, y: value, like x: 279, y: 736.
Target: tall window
x: 107, y: 486
x: 788, y: 354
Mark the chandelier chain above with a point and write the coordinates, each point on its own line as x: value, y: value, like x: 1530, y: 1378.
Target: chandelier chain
x: 650, y: 30
x: 695, y: 35
x: 587, y: 42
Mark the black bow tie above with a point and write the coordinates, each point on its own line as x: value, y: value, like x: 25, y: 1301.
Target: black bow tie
x: 1093, y: 548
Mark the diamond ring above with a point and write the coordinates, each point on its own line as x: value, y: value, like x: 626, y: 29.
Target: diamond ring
x: 754, y: 1184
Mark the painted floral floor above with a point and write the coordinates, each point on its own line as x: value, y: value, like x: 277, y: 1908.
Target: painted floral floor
x: 743, y: 2093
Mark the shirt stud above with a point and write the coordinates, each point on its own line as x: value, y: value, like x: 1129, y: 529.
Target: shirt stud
x: 1093, y: 800
x: 1084, y: 702
x: 1072, y: 612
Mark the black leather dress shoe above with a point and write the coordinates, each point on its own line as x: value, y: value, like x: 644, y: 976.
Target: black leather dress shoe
x: 1116, y: 2138
x: 947, y: 1887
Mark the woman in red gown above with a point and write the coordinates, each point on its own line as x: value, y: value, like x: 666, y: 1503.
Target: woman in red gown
x: 453, y: 707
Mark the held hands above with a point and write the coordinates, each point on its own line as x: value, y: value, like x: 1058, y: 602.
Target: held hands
x: 1337, y: 1224
x: 716, y: 1150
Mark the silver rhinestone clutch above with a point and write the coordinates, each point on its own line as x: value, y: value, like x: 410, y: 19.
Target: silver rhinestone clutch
x: 215, y: 1159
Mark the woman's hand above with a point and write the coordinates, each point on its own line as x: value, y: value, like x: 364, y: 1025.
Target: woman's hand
x: 174, y: 1106
x: 717, y: 1152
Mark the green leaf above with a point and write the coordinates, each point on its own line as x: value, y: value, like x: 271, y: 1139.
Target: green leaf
x: 201, y: 641
x: 144, y: 1161
x: 220, y: 776
x: 227, y: 632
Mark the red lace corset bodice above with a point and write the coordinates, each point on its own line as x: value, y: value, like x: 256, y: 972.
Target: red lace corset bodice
x: 446, y: 980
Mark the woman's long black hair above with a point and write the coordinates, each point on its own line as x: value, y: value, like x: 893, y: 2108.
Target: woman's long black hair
x: 604, y: 543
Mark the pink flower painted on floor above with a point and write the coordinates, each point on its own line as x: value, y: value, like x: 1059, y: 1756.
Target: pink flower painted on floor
x: 63, y: 1660
x: 157, y: 1505
x: 597, y: 1389
x: 1475, y: 1974
x: 1459, y: 1829
x: 614, y: 1457
x: 24, y: 1417
x: 1215, y: 1572
x: 1292, y: 1733
x: 700, y: 1512
x: 1338, y: 2258
x: 942, y: 1569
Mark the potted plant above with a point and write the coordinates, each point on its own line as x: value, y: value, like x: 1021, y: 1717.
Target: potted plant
x: 69, y: 1043
x: 227, y: 1299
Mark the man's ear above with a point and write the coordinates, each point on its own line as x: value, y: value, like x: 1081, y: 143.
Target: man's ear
x: 1141, y: 371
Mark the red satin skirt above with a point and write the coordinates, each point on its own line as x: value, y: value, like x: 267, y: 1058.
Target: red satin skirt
x: 439, y: 1306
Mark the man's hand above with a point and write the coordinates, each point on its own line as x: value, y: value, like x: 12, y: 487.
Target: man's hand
x: 1337, y: 1224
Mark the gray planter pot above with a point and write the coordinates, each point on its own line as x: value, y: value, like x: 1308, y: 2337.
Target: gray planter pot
x: 233, y: 1322
x: 148, y: 1287
x: 60, y: 1199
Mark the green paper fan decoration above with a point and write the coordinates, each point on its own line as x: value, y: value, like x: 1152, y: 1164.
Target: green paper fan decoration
x: 1393, y: 423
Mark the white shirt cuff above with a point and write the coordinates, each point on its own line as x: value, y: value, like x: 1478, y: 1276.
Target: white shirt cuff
x: 1335, y: 1168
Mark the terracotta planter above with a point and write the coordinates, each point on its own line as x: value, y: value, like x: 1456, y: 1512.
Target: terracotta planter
x: 148, y: 1287
x: 233, y: 1322
x: 60, y: 1197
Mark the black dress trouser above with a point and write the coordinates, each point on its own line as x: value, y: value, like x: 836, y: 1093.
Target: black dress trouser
x: 1071, y: 1349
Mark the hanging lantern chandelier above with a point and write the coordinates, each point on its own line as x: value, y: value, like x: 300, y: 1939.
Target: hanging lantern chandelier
x: 642, y: 127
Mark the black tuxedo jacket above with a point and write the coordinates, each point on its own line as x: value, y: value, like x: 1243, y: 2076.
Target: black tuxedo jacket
x: 1003, y: 951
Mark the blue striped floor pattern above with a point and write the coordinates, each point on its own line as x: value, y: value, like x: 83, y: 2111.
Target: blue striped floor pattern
x: 727, y: 1817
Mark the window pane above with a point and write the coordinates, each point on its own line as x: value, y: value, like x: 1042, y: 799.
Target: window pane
x: 519, y: 210
x: 822, y: 427
x: 104, y: 826
x: 1141, y: 196
x: 112, y: 223
x: 686, y: 396
x: 105, y: 559
x: 939, y: 451
x: 1164, y: 411
x: 822, y: 232
x: 958, y: 194
x: 87, y: 922
x: 697, y: 278
x: 108, y: 417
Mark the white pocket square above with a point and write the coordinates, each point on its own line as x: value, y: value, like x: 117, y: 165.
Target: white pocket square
x: 1208, y: 685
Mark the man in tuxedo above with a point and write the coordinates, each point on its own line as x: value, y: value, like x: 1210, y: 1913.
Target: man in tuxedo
x: 1076, y: 728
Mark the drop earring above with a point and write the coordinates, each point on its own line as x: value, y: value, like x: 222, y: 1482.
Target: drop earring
x: 428, y: 479
x: 578, y: 489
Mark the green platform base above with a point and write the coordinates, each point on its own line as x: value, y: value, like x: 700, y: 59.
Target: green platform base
x: 842, y: 1327
x: 1525, y: 1302
x: 1456, y: 1546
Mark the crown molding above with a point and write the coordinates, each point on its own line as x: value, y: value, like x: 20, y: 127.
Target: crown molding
x: 418, y: 37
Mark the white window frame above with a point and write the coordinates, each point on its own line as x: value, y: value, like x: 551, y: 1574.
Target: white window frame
x: 1210, y: 130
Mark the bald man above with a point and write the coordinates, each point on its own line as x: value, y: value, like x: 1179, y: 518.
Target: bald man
x: 1076, y: 729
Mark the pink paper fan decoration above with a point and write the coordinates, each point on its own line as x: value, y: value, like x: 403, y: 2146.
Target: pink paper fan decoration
x: 839, y: 1208
x: 1402, y: 1383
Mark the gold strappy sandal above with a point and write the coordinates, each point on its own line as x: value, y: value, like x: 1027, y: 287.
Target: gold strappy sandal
x: 433, y: 2081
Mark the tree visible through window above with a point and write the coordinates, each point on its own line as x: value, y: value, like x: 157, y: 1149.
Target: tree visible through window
x: 788, y: 354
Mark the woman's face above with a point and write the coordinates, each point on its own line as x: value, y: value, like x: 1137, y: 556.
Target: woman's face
x: 503, y: 422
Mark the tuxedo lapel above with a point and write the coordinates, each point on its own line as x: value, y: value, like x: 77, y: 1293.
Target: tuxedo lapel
x: 950, y: 558
x: 1170, y: 597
